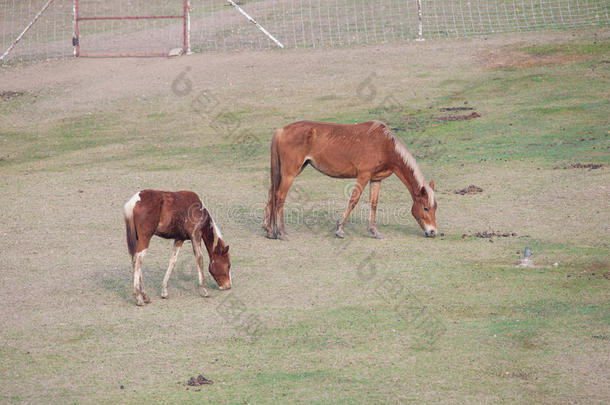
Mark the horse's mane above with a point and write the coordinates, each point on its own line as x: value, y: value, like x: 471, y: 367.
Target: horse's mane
x: 217, y: 233
x: 406, y: 156
x: 214, y: 228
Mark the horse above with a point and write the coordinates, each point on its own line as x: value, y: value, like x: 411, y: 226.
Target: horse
x: 180, y: 216
x: 368, y: 152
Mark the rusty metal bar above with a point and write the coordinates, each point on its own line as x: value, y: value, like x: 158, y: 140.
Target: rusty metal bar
x: 135, y: 17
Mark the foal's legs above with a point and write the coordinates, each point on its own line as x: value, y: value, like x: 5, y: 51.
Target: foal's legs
x: 137, y: 277
x: 374, y: 188
x: 138, y: 286
x: 360, y: 184
x: 199, y: 258
x: 172, y: 263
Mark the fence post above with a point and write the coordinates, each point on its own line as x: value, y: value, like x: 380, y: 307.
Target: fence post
x: 75, y: 34
x: 185, y: 28
x: 420, y: 27
x: 188, y: 27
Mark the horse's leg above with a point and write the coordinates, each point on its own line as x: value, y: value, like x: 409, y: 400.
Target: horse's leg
x: 138, y: 286
x: 267, y: 221
x: 172, y: 263
x: 374, y: 188
x: 146, y: 222
x: 199, y: 258
x: 280, y: 196
x: 138, y: 289
x: 360, y: 184
x: 143, y: 294
x: 137, y: 271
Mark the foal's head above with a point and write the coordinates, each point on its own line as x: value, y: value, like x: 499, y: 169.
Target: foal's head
x: 424, y: 209
x: 220, y: 266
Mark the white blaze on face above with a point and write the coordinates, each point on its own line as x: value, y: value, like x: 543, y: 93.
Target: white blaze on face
x: 129, y: 205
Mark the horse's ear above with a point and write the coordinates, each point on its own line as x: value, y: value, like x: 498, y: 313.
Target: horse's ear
x: 423, y: 191
x: 225, y: 250
x: 432, y: 184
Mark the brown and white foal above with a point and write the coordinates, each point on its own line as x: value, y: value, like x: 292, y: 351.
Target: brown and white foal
x: 180, y: 216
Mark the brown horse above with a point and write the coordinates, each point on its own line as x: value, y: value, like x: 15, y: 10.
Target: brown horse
x: 368, y: 152
x: 180, y: 216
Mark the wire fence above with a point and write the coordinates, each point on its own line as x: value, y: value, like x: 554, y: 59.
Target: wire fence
x: 317, y: 23
x: 216, y: 26
x: 49, y: 37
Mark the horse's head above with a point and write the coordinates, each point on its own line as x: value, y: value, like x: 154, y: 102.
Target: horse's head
x: 424, y: 209
x: 220, y: 267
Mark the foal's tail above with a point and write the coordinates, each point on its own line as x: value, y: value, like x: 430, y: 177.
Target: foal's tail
x: 130, y: 229
x: 276, y: 178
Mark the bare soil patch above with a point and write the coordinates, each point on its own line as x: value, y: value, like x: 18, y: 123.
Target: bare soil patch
x: 515, y: 374
x: 471, y: 189
x: 601, y: 337
x: 456, y: 109
x: 595, y: 270
x: 590, y: 166
x: 507, y: 58
x: 460, y: 117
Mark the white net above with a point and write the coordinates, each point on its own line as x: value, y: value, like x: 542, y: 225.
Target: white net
x: 216, y: 25
x: 481, y: 17
x: 49, y: 37
x: 303, y: 23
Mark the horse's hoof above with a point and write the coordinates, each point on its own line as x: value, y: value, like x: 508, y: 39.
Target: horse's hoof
x: 164, y: 295
x: 204, y: 293
x: 146, y: 299
x: 340, y: 234
x: 139, y: 302
x: 270, y: 235
x: 376, y: 234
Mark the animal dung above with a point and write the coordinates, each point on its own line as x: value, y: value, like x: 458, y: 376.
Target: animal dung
x: 471, y: 189
x: 590, y: 166
x: 200, y: 380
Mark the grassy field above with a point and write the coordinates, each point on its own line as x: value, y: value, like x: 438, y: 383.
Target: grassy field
x: 316, y: 319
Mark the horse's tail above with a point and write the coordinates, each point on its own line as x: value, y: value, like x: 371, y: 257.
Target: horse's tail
x: 276, y: 178
x: 130, y: 226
